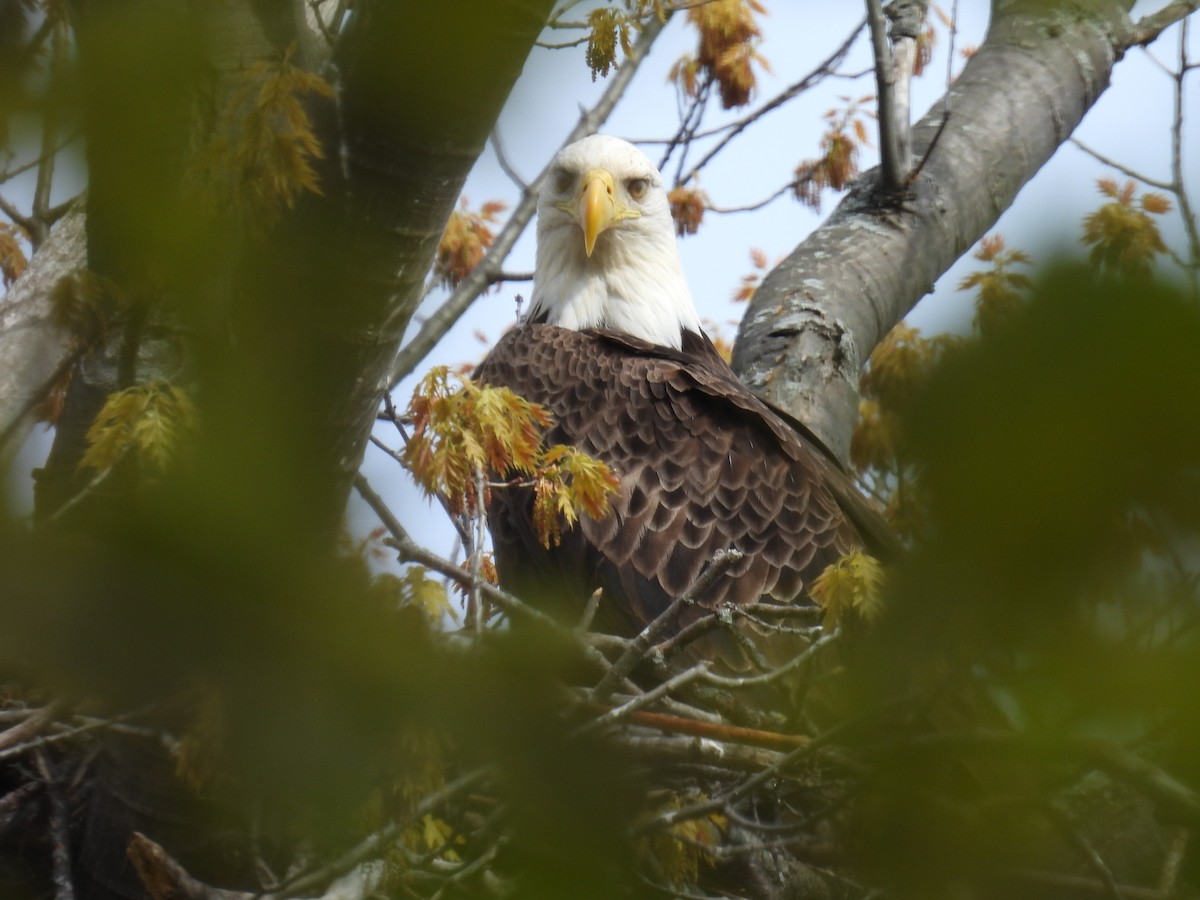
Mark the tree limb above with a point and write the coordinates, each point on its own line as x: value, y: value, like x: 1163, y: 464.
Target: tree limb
x: 817, y: 316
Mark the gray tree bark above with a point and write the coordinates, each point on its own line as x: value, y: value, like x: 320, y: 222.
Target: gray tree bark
x: 817, y: 316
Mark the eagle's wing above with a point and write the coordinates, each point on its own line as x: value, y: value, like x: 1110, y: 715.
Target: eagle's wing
x: 703, y: 466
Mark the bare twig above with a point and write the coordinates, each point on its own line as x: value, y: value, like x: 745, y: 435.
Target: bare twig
x: 589, y: 611
x: 1150, y: 27
x: 640, y: 645
x: 1191, y: 226
x: 1062, y: 820
x: 825, y: 68
x: 1124, y: 170
x: 60, y: 837
x: 374, y: 844
x: 31, y: 726
x: 796, y: 662
x: 625, y: 710
x: 891, y: 163
x: 1170, y: 870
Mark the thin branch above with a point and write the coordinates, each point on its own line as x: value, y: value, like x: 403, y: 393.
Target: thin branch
x: 1170, y: 870
x: 1150, y: 27
x: 1181, y: 193
x: 639, y: 646
x: 1062, y: 820
x: 471, y: 287
x: 698, y: 751
x: 60, y: 834
x: 29, y: 727
x: 410, y: 551
x: 1079, y: 884
x: 625, y: 710
x: 1124, y: 170
x: 713, y: 731
x: 753, y: 207
x: 763, y: 774
x: 10, y: 174
x: 374, y: 844
x: 502, y: 159
x: 885, y: 84
x: 796, y: 662
x: 825, y: 68
x: 16, y: 216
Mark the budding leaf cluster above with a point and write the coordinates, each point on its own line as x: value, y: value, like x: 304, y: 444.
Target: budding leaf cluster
x: 687, y: 209
x: 462, y: 433
x: 148, y: 420
x: 879, y: 445
x: 261, y: 154
x: 607, y: 29
x: 837, y: 165
x: 1121, y: 233
x: 465, y: 240
x: 727, y: 51
x: 850, y: 587
x: 12, y: 256
x: 746, y: 290
x: 680, y: 850
x: 1000, y: 291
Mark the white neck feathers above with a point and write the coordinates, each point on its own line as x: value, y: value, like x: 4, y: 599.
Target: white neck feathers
x: 633, y: 283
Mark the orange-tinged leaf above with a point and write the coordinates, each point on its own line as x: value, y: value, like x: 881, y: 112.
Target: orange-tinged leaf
x: 12, y: 255
x: 1156, y: 203
x: 687, y: 209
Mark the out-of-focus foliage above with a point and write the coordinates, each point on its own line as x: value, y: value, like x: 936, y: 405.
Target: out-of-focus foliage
x: 1121, y: 233
x: 466, y: 239
x: 150, y: 421
x: 1000, y: 291
x: 260, y: 156
x: 896, y: 373
x: 852, y: 587
x: 1053, y: 595
x: 879, y: 448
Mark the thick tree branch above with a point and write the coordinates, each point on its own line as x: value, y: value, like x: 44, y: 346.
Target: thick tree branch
x: 818, y: 315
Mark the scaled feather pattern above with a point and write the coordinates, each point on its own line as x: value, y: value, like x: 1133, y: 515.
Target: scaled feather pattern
x: 612, y: 347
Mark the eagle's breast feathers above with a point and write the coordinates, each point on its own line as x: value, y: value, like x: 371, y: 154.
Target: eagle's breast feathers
x: 612, y: 346
x: 703, y: 466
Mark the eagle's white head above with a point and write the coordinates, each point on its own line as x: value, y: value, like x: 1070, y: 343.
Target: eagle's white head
x: 606, y: 252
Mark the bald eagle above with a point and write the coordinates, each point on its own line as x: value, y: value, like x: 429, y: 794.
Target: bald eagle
x: 612, y: 346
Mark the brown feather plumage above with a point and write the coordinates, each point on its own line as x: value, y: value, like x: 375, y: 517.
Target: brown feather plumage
x: 704, y: 465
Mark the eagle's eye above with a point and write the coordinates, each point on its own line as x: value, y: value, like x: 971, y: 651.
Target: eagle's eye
x: 637, y: 187
x: 562, y: 180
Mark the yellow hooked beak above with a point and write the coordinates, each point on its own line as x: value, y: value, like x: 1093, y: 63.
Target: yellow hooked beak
x: 597, y: 206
